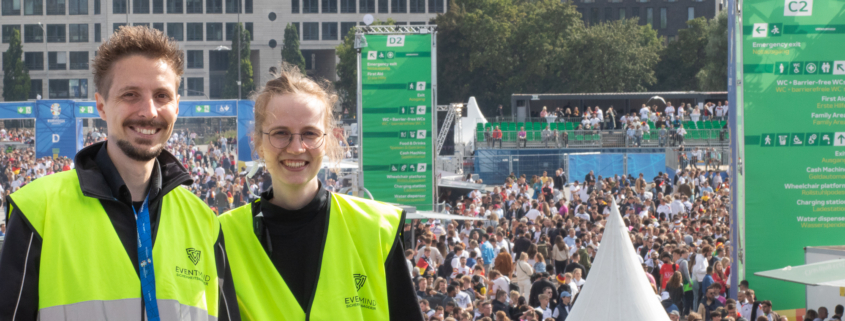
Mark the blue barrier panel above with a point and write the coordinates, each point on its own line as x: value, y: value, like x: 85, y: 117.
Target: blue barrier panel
x: 55, y: 128
x: 605, y: 165
x: 208, y: 108
x: 246, y: 123
x: 647, y: 164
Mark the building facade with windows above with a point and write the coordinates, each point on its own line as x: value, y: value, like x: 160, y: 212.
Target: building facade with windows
x: 665, y: 16
x: 61, y: 37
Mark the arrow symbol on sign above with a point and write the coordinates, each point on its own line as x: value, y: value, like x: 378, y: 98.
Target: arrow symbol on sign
x: 841, y: 138
x: 760, y: 29
x: 840, y: 67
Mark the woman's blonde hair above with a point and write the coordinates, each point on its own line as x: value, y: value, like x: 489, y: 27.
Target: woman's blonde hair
x: 290, y: 81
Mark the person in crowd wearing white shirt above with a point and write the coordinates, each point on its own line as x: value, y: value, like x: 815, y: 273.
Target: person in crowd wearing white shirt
x: 677, y: 207
x: 533, y: 213
x: 545, y: 308
x: 644, y: 113
x: 670, y: 111
x: 461, y: 268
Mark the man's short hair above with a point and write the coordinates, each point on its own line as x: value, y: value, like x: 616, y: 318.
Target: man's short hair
x: 501, y: 294
x: 137, y: 40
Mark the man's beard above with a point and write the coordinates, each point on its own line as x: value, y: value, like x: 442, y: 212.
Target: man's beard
x: 139, y: 154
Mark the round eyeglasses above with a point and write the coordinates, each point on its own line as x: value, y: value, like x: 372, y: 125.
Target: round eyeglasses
x: 310, y: 139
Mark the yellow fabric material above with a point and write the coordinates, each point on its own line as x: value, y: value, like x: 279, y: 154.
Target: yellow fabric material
x: 352, y: 283
x: 82, y: 258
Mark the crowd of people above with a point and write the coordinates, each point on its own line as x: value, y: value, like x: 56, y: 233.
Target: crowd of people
x: 531, y: 254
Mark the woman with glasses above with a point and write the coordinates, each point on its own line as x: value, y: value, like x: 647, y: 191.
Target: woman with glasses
x: 300, y: 252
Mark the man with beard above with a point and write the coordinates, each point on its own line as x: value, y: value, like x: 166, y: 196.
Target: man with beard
x: 80, y: 242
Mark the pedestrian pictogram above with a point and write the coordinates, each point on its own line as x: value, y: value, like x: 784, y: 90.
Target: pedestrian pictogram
x: 768, y: 140
x: 781, y: 68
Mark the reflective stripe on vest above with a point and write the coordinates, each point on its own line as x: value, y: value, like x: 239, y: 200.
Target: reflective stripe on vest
x: 85, y: 272
x: 352, y: 282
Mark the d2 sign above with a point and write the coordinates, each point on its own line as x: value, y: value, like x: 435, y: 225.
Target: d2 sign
x: 798, y: 7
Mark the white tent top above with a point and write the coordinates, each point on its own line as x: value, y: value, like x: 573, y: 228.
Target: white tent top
x: 474, y: 116
x: 617, y: 288
x: 828, y: 273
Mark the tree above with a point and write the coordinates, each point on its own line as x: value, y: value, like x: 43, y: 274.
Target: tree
x: 290, y: 52
x: 616, y: 56
x: 15, y: 75
x: 347, y: 69
x: 230, y: 88
x: 683, y: 58
x: 491, y: 49
x: 714, y: 75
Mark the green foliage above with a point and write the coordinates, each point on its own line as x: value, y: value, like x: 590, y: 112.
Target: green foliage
x: 617, y: 56
x: 492, y: 48
x: 290, y: 52
x: 230, y: 88
x: 347, y: 69
x: 15, y: 75
x: 683, y: 58
x: 714, y: 75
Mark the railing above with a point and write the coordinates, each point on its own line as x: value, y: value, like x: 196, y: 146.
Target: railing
x: 600, y: 138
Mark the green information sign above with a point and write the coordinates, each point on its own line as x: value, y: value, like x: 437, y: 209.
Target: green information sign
x: 793, y: 54
x: 397, y: 115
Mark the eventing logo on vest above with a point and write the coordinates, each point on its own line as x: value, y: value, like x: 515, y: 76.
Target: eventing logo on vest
x: 194, y: 255
x: 359, y: 301
x: 359, y: 281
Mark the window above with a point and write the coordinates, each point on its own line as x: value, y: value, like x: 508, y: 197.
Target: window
x: 435, y: 6
x: 158, y: 26
x: 34, y: 60
x: 218, y: 60
x: 310, y: 31
x: 145, y: 24
x: 33, y: 7
x: 401, y: 23
x: 417, y: 6
x: 635, y: 14
x: 294, y: 6
x: 98, y: 33
x: 248, y: 27
x: 140, y: 6
x: 382, y: 6
x: 248, y: 6
x: 329, y: 30
x: 614, y: 1
x: 97, y: 6
x: 117, y: 26
x: 366, y: 6
x: 56, y: 7
x: 662, y: 18
x: 608, y: 14
x: 348, y: 6
x: 158, y: 6
x: 181, y: 86
x: 57, y: 60
x: 214, y: 31
x: 345, y: 27
x: 194, y: 31
x: 310, y: 6
x: 195, y: 87
x: 78, y: 32
x: 691, y: 13
x: 329, y: 6
x: 594, y: 16
x: 34, y: 88
x: 399, y: 6
x: 77, y: 7
x: 68, y: 88
x: 195, y: 59
x: 213, y: 6
x: 193, y: 6
x: 649, y: 16
x: 174, y: 30
x: 230, y: 30
x: 11, y: 7
x: 55, y: 33
x: 642, y: 1
x: 118, y: 6
x: 418, y: 23
x: 298, y: 30
x: 232, y: 6
x: 33, y: 33
x: 79, y: 60
x: 622, y: 13
x: 174, y: 6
